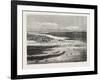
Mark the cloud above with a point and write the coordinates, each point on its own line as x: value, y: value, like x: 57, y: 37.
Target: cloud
x: 52, y: 27
x: 75, y: 28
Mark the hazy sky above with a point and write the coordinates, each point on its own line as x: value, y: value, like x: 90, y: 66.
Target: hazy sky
x: 56, y: 23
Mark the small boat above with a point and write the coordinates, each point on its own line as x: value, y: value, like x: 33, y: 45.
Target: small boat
x: 44, y: 56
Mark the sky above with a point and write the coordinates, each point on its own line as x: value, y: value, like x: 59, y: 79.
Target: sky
x: 49, y: 22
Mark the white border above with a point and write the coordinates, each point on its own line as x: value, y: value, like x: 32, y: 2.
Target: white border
x: 41, y: 69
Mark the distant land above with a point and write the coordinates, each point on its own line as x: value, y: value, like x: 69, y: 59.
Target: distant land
x: 69, y: 35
